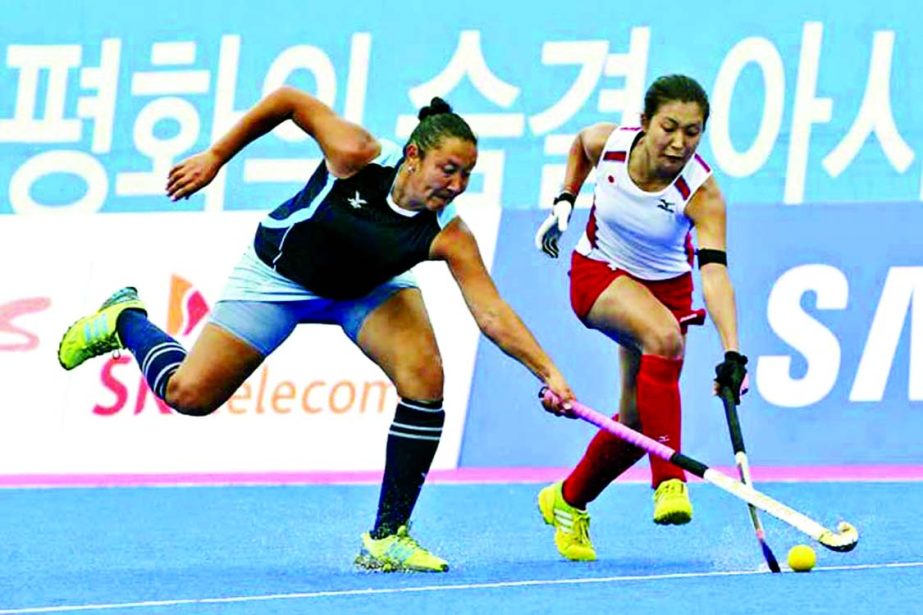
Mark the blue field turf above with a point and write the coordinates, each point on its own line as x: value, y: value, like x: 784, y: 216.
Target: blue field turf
x: 289, y: 549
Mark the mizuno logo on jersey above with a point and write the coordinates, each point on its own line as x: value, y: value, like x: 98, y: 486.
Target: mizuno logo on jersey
x: 666, y: 206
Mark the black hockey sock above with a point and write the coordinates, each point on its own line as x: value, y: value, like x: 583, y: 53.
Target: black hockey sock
x: 412, y: 443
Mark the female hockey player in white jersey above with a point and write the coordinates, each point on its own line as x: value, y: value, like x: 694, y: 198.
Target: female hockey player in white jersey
x: 631, y: 279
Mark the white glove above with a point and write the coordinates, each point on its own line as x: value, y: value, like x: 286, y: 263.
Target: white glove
x: 546, y: 239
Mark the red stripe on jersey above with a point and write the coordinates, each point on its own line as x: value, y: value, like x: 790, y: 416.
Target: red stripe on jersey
x: 591, y: 226
x: 683, y: 187
x: 703, y: 163
x: 690, y: 249
x: 616, y: 156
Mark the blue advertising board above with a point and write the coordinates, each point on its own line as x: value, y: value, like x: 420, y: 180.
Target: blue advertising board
x: 830, y: 302
x: 810, y: 103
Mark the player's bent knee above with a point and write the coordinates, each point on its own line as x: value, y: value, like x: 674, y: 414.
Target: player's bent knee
x: 667, y: 342
x: 188, y: 399
x: 421, y: 381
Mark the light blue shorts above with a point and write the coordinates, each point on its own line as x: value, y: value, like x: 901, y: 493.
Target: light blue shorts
x: 262, y: 307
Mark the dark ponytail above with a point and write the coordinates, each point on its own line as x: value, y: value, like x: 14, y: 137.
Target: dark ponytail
x: 435, y: 107
x: 437, y: 122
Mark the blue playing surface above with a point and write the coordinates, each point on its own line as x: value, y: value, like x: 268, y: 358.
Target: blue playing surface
x: 289, y: 549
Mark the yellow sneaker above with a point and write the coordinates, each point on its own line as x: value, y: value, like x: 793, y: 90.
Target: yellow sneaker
x: 397, y: 553
x: 671, y: 503
x: 96, y: 334
x: 571, y: 525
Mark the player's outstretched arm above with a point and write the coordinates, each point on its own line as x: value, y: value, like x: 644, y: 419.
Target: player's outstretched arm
x: 707, y: 211
x: 708, y: 214
x: 496, y: 319
x: 347, y: 147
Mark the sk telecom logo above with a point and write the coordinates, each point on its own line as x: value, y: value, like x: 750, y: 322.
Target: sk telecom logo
x: 23, y: 340
x: 186, y: 309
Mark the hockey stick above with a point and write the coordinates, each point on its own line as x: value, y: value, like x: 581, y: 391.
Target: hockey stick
x: 743, y: 468
x: 844, y: 538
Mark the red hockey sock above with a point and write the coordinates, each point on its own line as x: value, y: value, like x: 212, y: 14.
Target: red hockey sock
x: 605, y: 459
x: 659, y: 410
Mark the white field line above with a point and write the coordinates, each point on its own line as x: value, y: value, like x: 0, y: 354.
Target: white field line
x: 424, y: 588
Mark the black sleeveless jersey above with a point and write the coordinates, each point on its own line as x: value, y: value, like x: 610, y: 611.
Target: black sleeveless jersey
x: 341, y: 238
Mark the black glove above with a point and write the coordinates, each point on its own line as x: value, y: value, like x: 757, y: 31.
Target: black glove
x: 732, y: 373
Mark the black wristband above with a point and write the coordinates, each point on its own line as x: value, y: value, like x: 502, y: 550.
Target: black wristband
x: 565, y: 196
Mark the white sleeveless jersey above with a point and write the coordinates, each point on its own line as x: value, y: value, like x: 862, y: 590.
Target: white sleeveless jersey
x: 646, y: 234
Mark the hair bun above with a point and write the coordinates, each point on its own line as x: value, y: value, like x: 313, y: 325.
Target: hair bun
x: 435, y: 107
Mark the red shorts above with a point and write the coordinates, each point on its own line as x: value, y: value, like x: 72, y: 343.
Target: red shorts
x: 589, y: 278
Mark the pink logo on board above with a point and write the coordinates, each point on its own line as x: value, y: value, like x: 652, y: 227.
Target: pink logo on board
x: 14, y: 337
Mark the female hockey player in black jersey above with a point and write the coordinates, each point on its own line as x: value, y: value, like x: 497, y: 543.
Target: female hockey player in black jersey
x: 339, y: 251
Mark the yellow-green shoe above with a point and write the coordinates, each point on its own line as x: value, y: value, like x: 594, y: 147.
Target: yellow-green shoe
x: 671, y: 503
x: 96, y: 334
x: 398, y: 552
x: 571, y: 525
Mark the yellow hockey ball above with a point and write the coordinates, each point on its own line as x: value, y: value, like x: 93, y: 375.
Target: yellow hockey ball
x: 801, y: 558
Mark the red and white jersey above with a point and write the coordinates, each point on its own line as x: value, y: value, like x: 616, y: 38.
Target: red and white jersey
x: 646, y: 234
